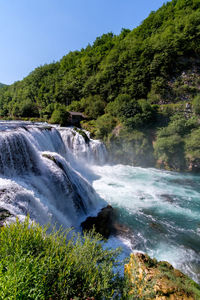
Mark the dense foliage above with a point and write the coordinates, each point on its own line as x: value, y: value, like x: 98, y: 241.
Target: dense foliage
x: 60, y: 265
x: 134, y: 81
x: 37, y: 265
x: 139, y: 63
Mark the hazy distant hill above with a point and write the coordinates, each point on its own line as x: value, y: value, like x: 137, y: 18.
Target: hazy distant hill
x: 2, y: 85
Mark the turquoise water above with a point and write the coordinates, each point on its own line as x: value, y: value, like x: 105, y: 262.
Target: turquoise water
x: 161, y: 208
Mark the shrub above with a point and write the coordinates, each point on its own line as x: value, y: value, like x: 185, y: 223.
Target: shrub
x: 178, y: 125
x: 27, y: 108
x: 170, y: 150
x: 37, y: 265
x: 60, y: 116
x: 196, y: 104
x: 104, y: 125
x: 89, y: 126
x: 131, y: 147
x: 92, y: 106
x: 192, y: 144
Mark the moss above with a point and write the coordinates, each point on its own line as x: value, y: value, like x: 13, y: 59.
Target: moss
x: 49, y: 157
x: 83, y: 134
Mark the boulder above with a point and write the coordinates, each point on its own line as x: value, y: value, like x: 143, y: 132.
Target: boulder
x: 105, y: 224
x: 102, y: 222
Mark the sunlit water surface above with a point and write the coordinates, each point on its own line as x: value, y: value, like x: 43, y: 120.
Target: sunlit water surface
x: 162, y: 209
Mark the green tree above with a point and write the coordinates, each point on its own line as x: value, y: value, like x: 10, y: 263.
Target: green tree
x: 28, y: 108
x: 196, y: 104
x: 104, y: 125
x: 60, y: 116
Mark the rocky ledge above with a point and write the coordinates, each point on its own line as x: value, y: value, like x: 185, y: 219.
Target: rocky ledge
x: 159, y: 280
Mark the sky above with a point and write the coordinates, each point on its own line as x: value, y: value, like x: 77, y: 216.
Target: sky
x: 35, y: 32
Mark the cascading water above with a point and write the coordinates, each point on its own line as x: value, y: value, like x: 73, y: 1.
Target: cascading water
x: 59, y: 175
x: 83, y: 148
x: 37, y: 178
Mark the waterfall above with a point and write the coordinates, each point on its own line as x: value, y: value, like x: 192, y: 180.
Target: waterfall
x: 37, y: 175
x: 82, y: 147
x: 58, y: 176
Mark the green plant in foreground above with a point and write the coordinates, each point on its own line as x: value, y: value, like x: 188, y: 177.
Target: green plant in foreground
x: 37, y: 265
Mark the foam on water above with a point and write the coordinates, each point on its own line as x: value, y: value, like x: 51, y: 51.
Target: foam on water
x: 162, y: 209
x: 37, y: 176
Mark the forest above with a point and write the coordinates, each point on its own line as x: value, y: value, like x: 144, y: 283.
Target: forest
x: 139, y: 90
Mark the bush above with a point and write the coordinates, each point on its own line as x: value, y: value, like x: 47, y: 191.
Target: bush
x: 37, y: 265
x: 92, y: 106
x: 26, y: 108
x: 192, y: 144
x: 133, y: 148
x: 60, y: 116
x: 104, y: 125
x: 196, y: 104
x: 170, y: 150
x: 178, y: 125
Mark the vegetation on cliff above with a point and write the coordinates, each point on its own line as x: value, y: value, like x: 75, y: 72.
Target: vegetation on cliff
x: 151, y: 279
x: 128, y: 86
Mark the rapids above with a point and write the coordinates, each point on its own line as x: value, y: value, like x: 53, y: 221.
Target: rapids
x: 162, y: 209
x: 56, y: 175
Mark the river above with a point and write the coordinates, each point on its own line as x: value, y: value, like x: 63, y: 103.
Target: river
x: 55, y: 175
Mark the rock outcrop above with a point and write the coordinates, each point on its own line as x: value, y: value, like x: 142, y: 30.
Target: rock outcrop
x: 151, y: 279
x: 105, y: 224
x: 102, y: 222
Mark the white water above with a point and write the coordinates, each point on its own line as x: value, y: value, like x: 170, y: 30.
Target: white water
x: 54, y: 175
x: 37, y: 176
x: 162, y: 209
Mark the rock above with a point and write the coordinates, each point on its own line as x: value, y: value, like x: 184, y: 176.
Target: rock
x: 4, y: 214
x: 158, y: 227
x: 150, y: 278
x: 167, y: 197
x: 193, y: 164
x: 102, y: 222
x: 105, y: 224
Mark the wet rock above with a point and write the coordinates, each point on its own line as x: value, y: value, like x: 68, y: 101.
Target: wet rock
x: 45, y: 128
x: 102, y: 222
x: 105, y: 223
x: 167, y: 198
x: 4, y: 214
x: 193, y: 165
x: 159, y: 280
x: 158, y: 227
x: 49, y: 156
x: 121, y: 229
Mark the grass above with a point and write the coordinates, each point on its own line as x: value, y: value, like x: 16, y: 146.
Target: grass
x: 60, y: 265
x: 37, y: 265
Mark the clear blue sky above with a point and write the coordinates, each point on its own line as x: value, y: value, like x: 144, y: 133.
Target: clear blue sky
x: 35, y: 32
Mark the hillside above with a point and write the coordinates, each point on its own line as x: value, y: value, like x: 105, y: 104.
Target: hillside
x: 128, y: 86
x: 2, y: 85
